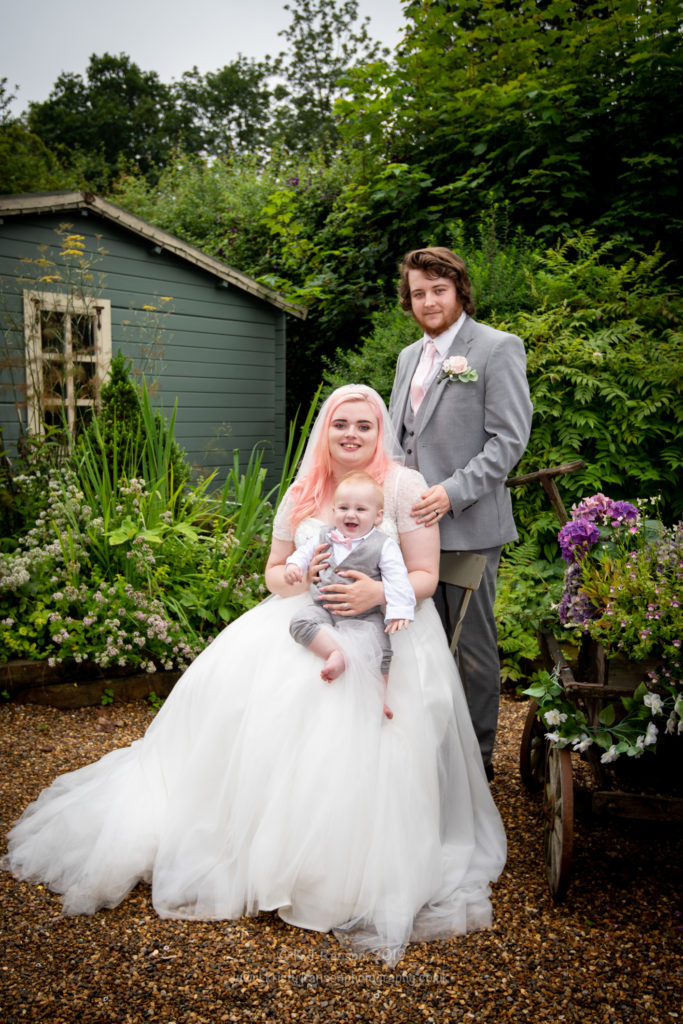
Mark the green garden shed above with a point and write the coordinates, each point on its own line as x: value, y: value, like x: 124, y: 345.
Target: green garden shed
x: 82, y: 279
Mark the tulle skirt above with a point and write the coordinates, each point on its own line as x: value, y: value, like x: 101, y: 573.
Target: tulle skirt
x: 260, y: 787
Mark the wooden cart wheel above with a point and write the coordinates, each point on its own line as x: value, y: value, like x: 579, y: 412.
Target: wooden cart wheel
x: 532, y: 751
x: 558, y: 810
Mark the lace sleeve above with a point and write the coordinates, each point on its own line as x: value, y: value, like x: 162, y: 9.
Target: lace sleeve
x: 281, y: 523
x: 409, y: 485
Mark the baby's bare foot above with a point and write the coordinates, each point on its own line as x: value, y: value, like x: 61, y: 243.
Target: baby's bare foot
x: 388, y: 713
x: 333, y: 667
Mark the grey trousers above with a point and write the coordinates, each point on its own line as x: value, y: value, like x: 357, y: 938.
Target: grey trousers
x: 477, y: 653
x: 305, y: 625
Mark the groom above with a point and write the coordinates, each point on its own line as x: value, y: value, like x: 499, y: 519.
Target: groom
x: 460, y: 403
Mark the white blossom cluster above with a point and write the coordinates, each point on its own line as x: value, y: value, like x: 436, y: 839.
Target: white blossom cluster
x: 581, y: 741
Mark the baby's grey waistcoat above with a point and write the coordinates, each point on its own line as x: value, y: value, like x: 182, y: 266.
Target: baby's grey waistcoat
x: 363, y: 558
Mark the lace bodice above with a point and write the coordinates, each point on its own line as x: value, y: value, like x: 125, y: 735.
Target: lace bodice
x: 402, y: 488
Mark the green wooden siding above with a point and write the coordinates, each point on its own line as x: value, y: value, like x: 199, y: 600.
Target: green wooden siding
x: 218, y: 351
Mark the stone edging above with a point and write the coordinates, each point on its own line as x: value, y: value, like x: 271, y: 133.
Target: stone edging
x: 77, y: 686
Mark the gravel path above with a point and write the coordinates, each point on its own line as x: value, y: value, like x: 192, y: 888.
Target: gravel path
x: 611, y: 953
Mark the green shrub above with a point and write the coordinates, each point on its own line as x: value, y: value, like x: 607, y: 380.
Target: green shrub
x: 119, y: 426
x: 528, y: 591
x: 23, y: 483
x: 604, y: 352
x: 375, y: 362
x: 131, y: 580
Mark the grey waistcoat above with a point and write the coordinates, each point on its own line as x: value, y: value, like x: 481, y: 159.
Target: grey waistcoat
x: 364, y: 558
x: 411, y: 428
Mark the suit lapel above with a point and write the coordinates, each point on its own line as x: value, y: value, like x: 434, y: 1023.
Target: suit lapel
x: 461, y: 346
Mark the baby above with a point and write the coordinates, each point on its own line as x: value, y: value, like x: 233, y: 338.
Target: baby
x: 356, y: 544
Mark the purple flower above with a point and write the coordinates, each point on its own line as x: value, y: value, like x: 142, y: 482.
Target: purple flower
x: 576, y: 538
x: 604, y: 511
x: 575, y: 609
x: 593, y: 509
x: 622, y: 512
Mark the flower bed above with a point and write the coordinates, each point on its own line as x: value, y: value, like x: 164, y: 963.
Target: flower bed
x: 143, y: 587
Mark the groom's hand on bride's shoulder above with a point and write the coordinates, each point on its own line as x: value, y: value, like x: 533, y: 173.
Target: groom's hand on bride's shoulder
x: 432, y: 506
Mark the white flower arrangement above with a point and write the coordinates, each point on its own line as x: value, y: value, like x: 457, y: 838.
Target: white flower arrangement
x: 631, y: 733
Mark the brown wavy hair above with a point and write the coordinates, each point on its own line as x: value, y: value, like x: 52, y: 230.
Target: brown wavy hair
x: 436, y: 261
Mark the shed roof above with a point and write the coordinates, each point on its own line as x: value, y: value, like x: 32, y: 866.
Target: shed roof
x: 54, y: 202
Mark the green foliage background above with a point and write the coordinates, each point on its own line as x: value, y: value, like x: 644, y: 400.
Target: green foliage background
x: 604, y: 360
x: 542, y: 141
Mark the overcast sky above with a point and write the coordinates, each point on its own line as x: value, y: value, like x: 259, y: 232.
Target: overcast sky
x: 42, y: 38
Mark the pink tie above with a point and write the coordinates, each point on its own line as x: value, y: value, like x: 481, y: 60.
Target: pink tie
x: 430, y: 354
x: 338, y: 538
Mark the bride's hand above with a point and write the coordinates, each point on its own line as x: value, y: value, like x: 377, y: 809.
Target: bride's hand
x: 320, y: 560
x: 348, y: 599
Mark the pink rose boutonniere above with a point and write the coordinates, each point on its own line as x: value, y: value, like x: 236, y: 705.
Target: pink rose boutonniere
x: 457, y: 368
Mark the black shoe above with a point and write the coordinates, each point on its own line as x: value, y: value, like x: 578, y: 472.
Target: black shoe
x: 488, y: 768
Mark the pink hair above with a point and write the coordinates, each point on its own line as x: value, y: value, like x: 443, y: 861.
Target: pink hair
x: 312, y: 492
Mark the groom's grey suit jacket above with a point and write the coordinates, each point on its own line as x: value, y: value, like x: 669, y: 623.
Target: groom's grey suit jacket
x: 468, y: 436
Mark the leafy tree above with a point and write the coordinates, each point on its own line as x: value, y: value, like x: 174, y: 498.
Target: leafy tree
x: 122, y: 118
x: 565, y: 108
x: 484, y: 101
x: 325, y: 41
x: 26, y: 164
x: 225, y: 111
x: 126, y: 114
x: 263, y: 220
x: 6, y: 100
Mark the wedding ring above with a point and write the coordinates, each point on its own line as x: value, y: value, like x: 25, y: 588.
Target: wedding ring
x: 346, y: 606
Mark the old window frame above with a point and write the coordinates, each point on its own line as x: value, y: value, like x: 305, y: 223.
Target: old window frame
x: 64, y: 366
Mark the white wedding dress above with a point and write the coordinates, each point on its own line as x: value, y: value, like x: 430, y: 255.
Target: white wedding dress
x: 259, y: 787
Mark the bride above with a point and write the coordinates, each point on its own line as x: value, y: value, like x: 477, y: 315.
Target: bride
x: 260, y: 787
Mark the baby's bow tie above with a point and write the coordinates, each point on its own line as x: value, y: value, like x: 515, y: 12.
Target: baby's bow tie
x: 337, y: 537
